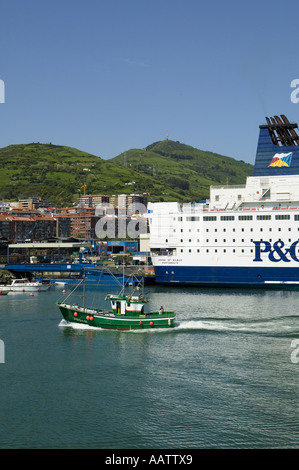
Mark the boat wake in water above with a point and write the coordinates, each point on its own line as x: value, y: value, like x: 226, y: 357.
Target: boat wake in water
x: 77, y: 326
x: 282, y: 326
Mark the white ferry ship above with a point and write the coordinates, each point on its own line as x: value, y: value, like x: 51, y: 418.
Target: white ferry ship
x: 247, y: 234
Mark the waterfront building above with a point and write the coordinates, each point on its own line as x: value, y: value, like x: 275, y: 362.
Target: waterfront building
x: 93, y: 200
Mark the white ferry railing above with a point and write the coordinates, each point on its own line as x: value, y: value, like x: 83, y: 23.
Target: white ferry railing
x: 226, y: 186
x: 238, y: 208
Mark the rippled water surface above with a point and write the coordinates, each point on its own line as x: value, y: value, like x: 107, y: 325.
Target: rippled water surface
x: 222, y: 378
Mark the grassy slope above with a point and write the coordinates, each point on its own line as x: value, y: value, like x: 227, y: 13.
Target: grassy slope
x: 182, y: 169
x: 167, y: 170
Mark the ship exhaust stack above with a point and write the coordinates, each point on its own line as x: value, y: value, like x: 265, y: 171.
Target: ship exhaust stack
x: 278, y: 148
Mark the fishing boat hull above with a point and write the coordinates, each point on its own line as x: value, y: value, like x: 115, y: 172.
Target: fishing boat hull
x: 113, y: 321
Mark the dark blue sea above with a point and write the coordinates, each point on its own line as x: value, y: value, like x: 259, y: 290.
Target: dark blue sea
x: 226, y: 377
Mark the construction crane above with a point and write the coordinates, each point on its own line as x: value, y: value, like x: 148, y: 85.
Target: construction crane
x: 59, y: 194
x: 84, y: 186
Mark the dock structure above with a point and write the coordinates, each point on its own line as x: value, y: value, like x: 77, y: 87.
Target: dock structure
x: 94, y: 276
x: 95, y: 272
x: 30, y: 268
x: 58, y: 247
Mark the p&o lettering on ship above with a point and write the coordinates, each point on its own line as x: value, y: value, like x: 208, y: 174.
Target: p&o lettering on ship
x: 276, y: 252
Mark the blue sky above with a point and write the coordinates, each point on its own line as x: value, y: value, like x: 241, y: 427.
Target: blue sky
x: 105, y: 76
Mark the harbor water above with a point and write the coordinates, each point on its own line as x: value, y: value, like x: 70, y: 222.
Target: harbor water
x: 227, y: 376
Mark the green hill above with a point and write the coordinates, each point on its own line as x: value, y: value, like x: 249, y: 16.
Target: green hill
x: 185, y: 173
x: 167, y: 170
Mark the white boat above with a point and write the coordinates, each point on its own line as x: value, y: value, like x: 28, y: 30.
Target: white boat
x: 4, y: 290
x: 60, y: 284
x: 24, y: 285
x: 243, y: 235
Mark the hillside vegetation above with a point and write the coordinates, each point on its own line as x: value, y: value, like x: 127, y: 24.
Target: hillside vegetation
x: 185, y: 173
x: 166, y: 170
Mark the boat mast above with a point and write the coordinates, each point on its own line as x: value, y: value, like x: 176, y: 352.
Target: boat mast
x: 83, y: 289
x: 123, y: 286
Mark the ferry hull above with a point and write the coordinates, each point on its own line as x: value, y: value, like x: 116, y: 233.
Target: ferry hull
x: 108, y: 320
x: 228, y: 276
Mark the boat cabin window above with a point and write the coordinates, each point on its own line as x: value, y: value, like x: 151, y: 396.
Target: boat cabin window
x: 120, y: 307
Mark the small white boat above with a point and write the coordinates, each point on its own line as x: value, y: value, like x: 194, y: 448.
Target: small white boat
x: 24, y: 285
x: 60, y: 284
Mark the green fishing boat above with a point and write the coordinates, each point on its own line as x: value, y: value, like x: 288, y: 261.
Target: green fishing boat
x: 127, y: 313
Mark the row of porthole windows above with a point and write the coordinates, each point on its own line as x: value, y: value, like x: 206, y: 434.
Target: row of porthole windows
x: 215, y: 251
x: 208, y: 250
x: 242, y: 229
x: 229, y: 218
x: 242, y: 240
x: 225, y: 241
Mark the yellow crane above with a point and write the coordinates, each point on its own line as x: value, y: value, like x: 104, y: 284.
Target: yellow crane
x: 84, y: 186
x: 57, y: 197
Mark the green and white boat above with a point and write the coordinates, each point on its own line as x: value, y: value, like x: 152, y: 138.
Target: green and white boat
x: 127, y: 313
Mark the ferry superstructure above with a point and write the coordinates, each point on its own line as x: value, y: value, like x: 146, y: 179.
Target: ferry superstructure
x: 244, y: 235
